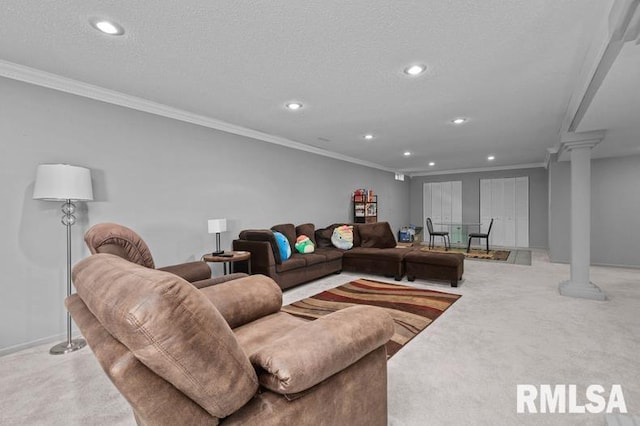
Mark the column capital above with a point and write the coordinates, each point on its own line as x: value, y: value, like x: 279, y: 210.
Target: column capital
x: 572, y: 140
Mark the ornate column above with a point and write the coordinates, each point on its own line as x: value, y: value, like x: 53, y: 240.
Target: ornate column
x: 579, y: 146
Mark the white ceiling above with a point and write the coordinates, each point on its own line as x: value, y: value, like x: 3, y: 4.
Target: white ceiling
x: 510, y: 67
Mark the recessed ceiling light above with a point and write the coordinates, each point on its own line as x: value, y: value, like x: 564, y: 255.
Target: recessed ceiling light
x: 107, y: 27
x: 407, y: 153
x: 432, y: 164
x: 459, y: 120
x: 491, y: 158
x: 294, y: 105
x: 368, y: 136
x: 414, y: 70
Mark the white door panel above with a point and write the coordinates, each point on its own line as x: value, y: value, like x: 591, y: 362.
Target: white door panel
x: 507, y: 202
x: 442, y: 202
x: 522, y: 212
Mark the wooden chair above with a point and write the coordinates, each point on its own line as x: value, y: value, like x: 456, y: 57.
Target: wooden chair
x: 480, y: 236
x: 433, y: 234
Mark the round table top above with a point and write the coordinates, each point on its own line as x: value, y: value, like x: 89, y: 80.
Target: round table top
x: 236, y: 256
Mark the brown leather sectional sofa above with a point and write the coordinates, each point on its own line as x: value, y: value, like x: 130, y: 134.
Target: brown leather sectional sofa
x: 374, y: 251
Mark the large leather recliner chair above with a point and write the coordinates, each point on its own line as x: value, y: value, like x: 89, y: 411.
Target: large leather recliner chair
x: 226, y: 354
x: 124, y: 242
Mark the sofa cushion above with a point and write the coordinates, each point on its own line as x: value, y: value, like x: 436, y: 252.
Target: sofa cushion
x: 288, y: 230
x: 308, y: 229
x: 395, y: 254
x: 292, y: 263
x: 329, y: 253
x: 376, y: 235
x: 310, y: 258
x: 171, y: 327
x: 323, y: 237
x: 283, y: 245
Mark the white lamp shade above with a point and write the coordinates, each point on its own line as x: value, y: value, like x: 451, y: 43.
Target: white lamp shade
x: 62, y: 182
x: 217, y: 225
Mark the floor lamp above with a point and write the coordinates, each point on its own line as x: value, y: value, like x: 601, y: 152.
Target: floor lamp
x: 61, y: 182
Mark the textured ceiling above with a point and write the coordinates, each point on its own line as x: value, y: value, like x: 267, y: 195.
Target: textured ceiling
x: 508, y: 66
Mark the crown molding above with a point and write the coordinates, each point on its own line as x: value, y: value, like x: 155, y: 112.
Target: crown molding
x: 78, y: 88
x: 551, y: 151
x: 476, y: 170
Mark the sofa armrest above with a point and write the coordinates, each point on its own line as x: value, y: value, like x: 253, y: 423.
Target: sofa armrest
x: 190, y: 271
x: 218, y: 280
x: 262, y: 235
x: 315, y: 351
x: 246, y: 299
x: 262, y: 257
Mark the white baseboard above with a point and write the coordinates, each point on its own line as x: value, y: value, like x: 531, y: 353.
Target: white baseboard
x: 22, y: 346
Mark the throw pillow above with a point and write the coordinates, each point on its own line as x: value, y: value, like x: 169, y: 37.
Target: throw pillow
x: 342, y: 237
x: 304, y: 244
x: 308, y: 230
x: 283, y: 245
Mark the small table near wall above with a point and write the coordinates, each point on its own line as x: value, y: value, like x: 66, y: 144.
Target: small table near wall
x: 458, y: 232
x: 229, y: 258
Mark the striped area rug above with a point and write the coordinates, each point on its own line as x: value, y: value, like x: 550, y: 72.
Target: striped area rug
x: 412, y: 309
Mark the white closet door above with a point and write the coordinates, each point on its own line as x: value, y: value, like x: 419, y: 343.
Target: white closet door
x: 486, y: 203
x: 446, y: 205
x: 456, y: 235
x: 507, y: 202
x: 522, y: 212
x: 497, y: 212
x: 456, y: 201
x: 436, y: 204
x: 509, y: 213
x: 426, y: 204
x: 442, y: 202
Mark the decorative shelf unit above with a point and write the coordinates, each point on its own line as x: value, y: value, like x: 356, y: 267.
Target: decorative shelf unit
x: 365, y: 207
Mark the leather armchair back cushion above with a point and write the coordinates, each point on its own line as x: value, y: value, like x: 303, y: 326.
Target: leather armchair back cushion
x: 171, y: 327
x: 119, y: 240
x: 376, y: 235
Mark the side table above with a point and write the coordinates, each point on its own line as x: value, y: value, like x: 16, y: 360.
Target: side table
x: 229, y: 258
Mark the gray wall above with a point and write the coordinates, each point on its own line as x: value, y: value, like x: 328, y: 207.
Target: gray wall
x: 161, y: 177
x: 559, y: 211
x: 538, y: 198
x: 615, y: 211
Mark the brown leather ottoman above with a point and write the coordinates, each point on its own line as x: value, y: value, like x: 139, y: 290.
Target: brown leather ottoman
x: 436, y: 266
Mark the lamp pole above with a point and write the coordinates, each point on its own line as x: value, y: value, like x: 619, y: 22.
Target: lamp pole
x: 68, y: 219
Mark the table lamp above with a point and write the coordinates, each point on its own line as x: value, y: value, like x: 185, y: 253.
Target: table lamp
x: 216, y: 226
x: 62, y: 182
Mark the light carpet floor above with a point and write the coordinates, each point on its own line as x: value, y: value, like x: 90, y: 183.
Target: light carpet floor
x: 511, y: 327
